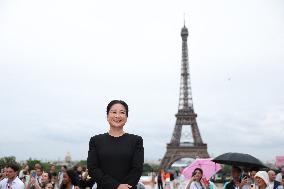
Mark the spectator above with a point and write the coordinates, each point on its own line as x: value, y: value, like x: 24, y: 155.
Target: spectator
x: 235, y: 182
x: 24, y: 171
x: 3, y: 174
x: 60, y: 174
x: 273, y: 184
x: 196, y: 180
x: 70, y: 180
x: 167, y: 178
x: 12, y: 181
x: 160, y: 180
x: 282, y: 182
x: 280, y: 175
x: 262, y: 180
x: 53, y: 173
x: 253, y: 172
x: 46, y: 178
x: 38, y: 176
x: 49, y: 186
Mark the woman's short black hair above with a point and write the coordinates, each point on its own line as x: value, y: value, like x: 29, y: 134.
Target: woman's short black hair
x: 117, y: 102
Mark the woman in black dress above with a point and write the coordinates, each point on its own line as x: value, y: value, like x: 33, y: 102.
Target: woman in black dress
x: 115, y: 159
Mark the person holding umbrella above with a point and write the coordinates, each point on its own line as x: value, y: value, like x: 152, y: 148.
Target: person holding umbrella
x: 196, y: 180
x: 236, y: 182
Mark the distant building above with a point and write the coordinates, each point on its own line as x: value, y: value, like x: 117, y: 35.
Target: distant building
x: 68, y: 158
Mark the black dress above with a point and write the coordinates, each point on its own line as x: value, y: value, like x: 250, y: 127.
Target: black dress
x: 115, y: 160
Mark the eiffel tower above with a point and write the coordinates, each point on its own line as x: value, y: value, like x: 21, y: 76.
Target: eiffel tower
x: 186, y: 140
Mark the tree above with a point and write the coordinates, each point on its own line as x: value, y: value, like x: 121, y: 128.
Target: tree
x: 7, y: 160
x: 83, y: 162
x: 156, y: 167
x: 226, y: 169
x: 31, y: 163
x: 147, y: 168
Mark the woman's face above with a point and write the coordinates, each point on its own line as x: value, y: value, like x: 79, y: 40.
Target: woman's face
x: 44, y: 177
x: 198, y: 175
x: 117, y: 116
x: 26, y: 168
x: 66, y: 178
x: 260, y: 182
x: 49, y: 186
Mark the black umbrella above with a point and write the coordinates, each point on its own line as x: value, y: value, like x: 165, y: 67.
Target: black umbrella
x: 239, y: 159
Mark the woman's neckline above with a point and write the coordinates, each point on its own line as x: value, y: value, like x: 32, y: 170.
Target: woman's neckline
x: 123, y: 134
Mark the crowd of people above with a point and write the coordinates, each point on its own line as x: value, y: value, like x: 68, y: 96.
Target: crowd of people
x: 244, y: 178
x: 255, y: 179
x: 12, y: 177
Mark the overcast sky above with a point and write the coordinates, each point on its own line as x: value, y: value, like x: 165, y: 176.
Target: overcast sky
x: 61, y: 62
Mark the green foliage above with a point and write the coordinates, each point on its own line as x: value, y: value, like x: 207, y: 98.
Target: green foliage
x: 226, y: 169
x: 7, y: 160
x: 31, y: 163
x: 45, y: 166
x: 83, y: 162
x: 147, y: 168
x: 155, y: 167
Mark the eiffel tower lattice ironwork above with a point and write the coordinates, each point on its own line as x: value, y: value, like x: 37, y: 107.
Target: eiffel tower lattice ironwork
x: 186, y: 140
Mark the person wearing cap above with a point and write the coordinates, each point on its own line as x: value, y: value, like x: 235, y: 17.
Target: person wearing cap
x: 262, y: 180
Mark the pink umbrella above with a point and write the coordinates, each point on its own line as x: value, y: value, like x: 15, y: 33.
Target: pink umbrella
x: 208, y: 167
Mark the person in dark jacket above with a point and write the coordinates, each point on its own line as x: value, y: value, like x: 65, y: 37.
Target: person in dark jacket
x: 237, y: 181
x: 160, y: 180
x: 115, y: 159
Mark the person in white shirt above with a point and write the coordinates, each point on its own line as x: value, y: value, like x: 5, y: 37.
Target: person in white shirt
x: 12, y: 181
x: 279, y: 175
x: 39, y: 172
x: 273, y: 184
x: 60, y: 174
x: 3, y: 174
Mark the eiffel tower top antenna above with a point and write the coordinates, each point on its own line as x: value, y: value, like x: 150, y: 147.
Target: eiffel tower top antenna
x: 184, y: 19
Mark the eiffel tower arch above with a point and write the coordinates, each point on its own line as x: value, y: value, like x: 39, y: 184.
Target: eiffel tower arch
x: 186, y: 141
